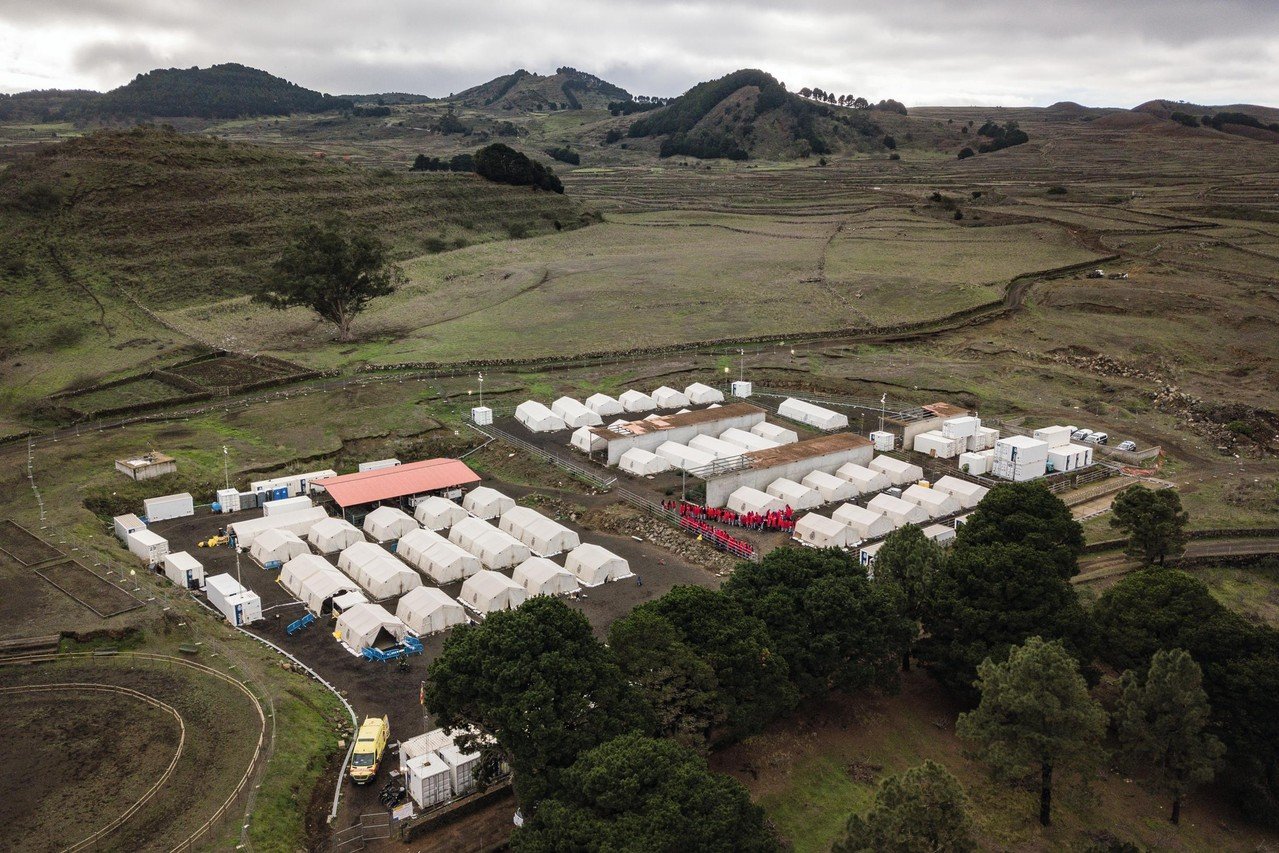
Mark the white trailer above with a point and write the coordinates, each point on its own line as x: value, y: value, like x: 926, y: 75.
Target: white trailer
x: 184, y: 570
x: 168, y: 506
x: 147, y: 546
x: 126, y: 524
x: 240, y: 605
x: 287, y: 505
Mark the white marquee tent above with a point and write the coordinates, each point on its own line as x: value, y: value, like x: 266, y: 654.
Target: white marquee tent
x: 794, y: 495
x: 699, y: 394
x: 604, y: 405
x: 438, y: 558
x: 437, y: 513
x: 747, y: 440
x: 277, y: 546
x: 486, y: 591
x: 863, y: 523
x: 967, y: 494
x: 865, y: 480
x: 540, y: 576
x: 668, y: 398
x: 594, y: 565
x: 934, y: 502
x: 898, y: 471
x: 379, y: 573
x: 387, y: 523
x: 574, y: 414
x: 898, y: 511
x: 542, y: 535
x: 636, y: 401
x: 495, y: 548
x: 297, y: 523
x: 333, y: 534
x: 683, y: 457
x: 370, y: 626
x: 821, y: 532
x: 831, y: 488
x: 428, y: 610
x: 747, y: 499
x: 804, y: 412
x: 716, y: 447
x: 585, y: 440
x: 779, y: 434
x: 641, y: 463
x: 483, y: 502
x: 315, y: 582
x: 538, y: 418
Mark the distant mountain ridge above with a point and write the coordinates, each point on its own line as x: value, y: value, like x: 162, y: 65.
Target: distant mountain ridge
x: 566, y: 89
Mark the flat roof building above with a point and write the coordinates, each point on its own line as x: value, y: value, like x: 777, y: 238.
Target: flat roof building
x: 146, y: 466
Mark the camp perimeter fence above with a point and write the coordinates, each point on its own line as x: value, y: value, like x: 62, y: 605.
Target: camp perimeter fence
x: 570, y: 468
x: 372, y: 826
x: 675, y: 520
x: 910, y: 414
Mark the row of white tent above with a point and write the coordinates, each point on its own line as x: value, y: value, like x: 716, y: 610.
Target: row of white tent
x: 570, y: 413
x: 703, y: 450
x: 817, y: 487
x: 850, y: 524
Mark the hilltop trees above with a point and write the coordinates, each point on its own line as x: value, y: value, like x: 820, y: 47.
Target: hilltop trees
x: 910, y: 562
x: 335, y: 271
x: 504, y: 165
x: 1030, y: 515
x: 923, y: 810
x: 1152, y: 520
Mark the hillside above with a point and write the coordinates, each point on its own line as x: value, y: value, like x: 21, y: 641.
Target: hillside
x: 1250, y: 120
x: 749, y: 113
x: 523, y: 91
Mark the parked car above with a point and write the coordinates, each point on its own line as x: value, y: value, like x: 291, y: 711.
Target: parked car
x: 1127, y: 445
x: 1080, y: 435
x: 1098, y: 438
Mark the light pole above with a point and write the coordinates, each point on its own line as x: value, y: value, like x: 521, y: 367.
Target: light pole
x: 883, y: 404
x: 226, y: 469
x: 741, y: 375
x: 481, y: 390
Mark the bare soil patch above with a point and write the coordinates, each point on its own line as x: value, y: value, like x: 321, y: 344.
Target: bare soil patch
x: 92, y: 590
x: 24, y: 546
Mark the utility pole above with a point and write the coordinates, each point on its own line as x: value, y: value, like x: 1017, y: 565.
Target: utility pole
x: 883, y: 404
x: 481, y: 389
x: 226, y: 469
x: 741, y: 375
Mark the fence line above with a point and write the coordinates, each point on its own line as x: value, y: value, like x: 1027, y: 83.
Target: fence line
x: 673, y: 518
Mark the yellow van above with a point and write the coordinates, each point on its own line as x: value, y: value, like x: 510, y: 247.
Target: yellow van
x: 370, y: 743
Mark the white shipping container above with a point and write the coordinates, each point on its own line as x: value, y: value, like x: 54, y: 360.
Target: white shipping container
x: 126, y: 524
x: 1021, y: 449
x: 238, y: 604
x: 430, y: 780
x: 294, y: 484
x: 462, y: 766
x: 883, y: 440
x: 147, y: 546
x: 939, y: 446
x: 1054, y: 436
x: 960, y: 427
x: 378, y: 464
x: 977, y: 463
x: 168, y: 506
x: 228, y: 500
x: 1020, y: 471
x: 286, y: 505
x: 983, y: 439
x: 184, y: 570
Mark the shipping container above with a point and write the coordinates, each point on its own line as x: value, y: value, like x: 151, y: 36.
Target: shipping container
x: 168, y: 506
x: 147, y: 546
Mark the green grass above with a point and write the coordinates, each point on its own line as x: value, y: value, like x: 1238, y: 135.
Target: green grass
x: 815, y: 806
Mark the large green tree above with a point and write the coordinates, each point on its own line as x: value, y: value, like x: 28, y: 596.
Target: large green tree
x: 1030, y: 515
x: 634, y: 793
x: 1035, y: 717
x: 334, y: 270
x: 537, y: 681
x: 923, y: 810
x: 1162, y: 721
x: 836, y: 629
x: 1152, y: 520
x: 909, y: 561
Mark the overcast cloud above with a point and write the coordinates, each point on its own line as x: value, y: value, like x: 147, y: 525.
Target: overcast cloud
x: 1097, y: 52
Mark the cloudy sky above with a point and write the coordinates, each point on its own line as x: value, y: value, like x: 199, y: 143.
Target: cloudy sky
x: 1010, y: 52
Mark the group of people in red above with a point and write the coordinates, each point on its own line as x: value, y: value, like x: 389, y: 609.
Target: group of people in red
x: 782, y: 519
x: 717, y: 536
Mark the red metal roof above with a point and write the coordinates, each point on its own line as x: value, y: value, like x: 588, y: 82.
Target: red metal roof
x: 384, y: 484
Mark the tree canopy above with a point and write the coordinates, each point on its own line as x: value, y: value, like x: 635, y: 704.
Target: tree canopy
x: 1152, y: 520
x: 634, y: 793
x: 923, y: 810
x: 1030, y: 515
x: 504, y: 165
x: 910, y: 562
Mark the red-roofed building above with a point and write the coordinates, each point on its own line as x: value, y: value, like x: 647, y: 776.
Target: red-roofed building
x: 358, y: 493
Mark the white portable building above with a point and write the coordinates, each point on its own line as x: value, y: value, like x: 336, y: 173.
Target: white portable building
x: 379, y: 573
x: 716, y: 447
x: 937, y: 503
x: 867, y: 556
x: 483, y: 502
x: 378, y: 464
x: 978, y: 463
x: 486, y: 591
x: 441, y: 560
x: 940, y: 533
x: 699, y: 394
x: 815, y: 416
x: 291, y: 484
x: 779, y: 434
x: 298, y: 523
x: 367, y: 626
x: 1069, y: 457
x: 315, y: 582
x: 963, y: 427
x: 437, y: 513
x: 936, y: 444
x: 682, y: 457
x: 240, y: 605
x: 287, y: 505
x: 574, y: 414
x: 542, y: 535
x: 462, y: 765
x: 863, y: 523
x: 277, y: 546
x: 865, y: 480
x: 388, y: 523
x: 668, y: 398
x: 636, y: 401
x: 585, y: 440
x: 983, y: 439
x: 540, y: 576
x: 594, y: 565
x: 331, y: 535
x: 148, y: 547
x: 899, y: 472
x: 1019, y: 472
x: 496, y: 549
x: 1054, y: 436
x: 641, y: 463
x: 794, y: 495
x: 746, y: 440
x: 831, y: 488
x: 898, y: 511
x: 967, y: 494
x: 184, y: 570
x: 429, y: 610
x: 430, y: 780
x: 883, y: 440
x: 604, y: 405
x: 748, y: 499
x: 126, y: 524
x: 821, y: 532
x: 168, y: 506
x: 538, y: 418
x: 1021, y: 449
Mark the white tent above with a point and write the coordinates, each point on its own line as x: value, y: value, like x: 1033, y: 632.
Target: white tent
x: 806, y: 413
x: 574, y: 414
x: 794, y: 495
x: 747, y: 440
x: 387, y: 523
x: 379, y: 573
x: 437, y: 513
x: 487, y: 591
x: 668, y: 398
x: 747, y: 499
x: 718, y: 448
x: 779, y: 434
x: 832, y: 488
x: 538, y: 418
x: 368, y: 625
x: 594, y: 565
x: 641, y: 463
x: 540, y: 576
x: 683, y: 457
x: 495, y: 548
x: 184, y: 570
x: 936, y: 503
x: 940, y: 533
x: 898, y: 471
x: 604, y: 405
x: 703, y: 395
x: 821, y: 531
x: 483, y: 502
x: 276, y: 546
x: 585, y: 440
x: 315, y: 582
x: 298, y: 523
x: 333, y: 534
x: 864, y: 479
x: 636, y: 401
x: 967, y: 494
x: 543, y: 535
x: 436, y: 557
x: 863, y: 523
x: 428, y: 610
x: 898, y: 511
x: 620, y: 422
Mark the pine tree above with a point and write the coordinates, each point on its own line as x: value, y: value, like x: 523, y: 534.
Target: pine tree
x: 923, y: 810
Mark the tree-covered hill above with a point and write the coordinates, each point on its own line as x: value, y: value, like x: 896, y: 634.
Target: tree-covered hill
x: 524, y: 91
